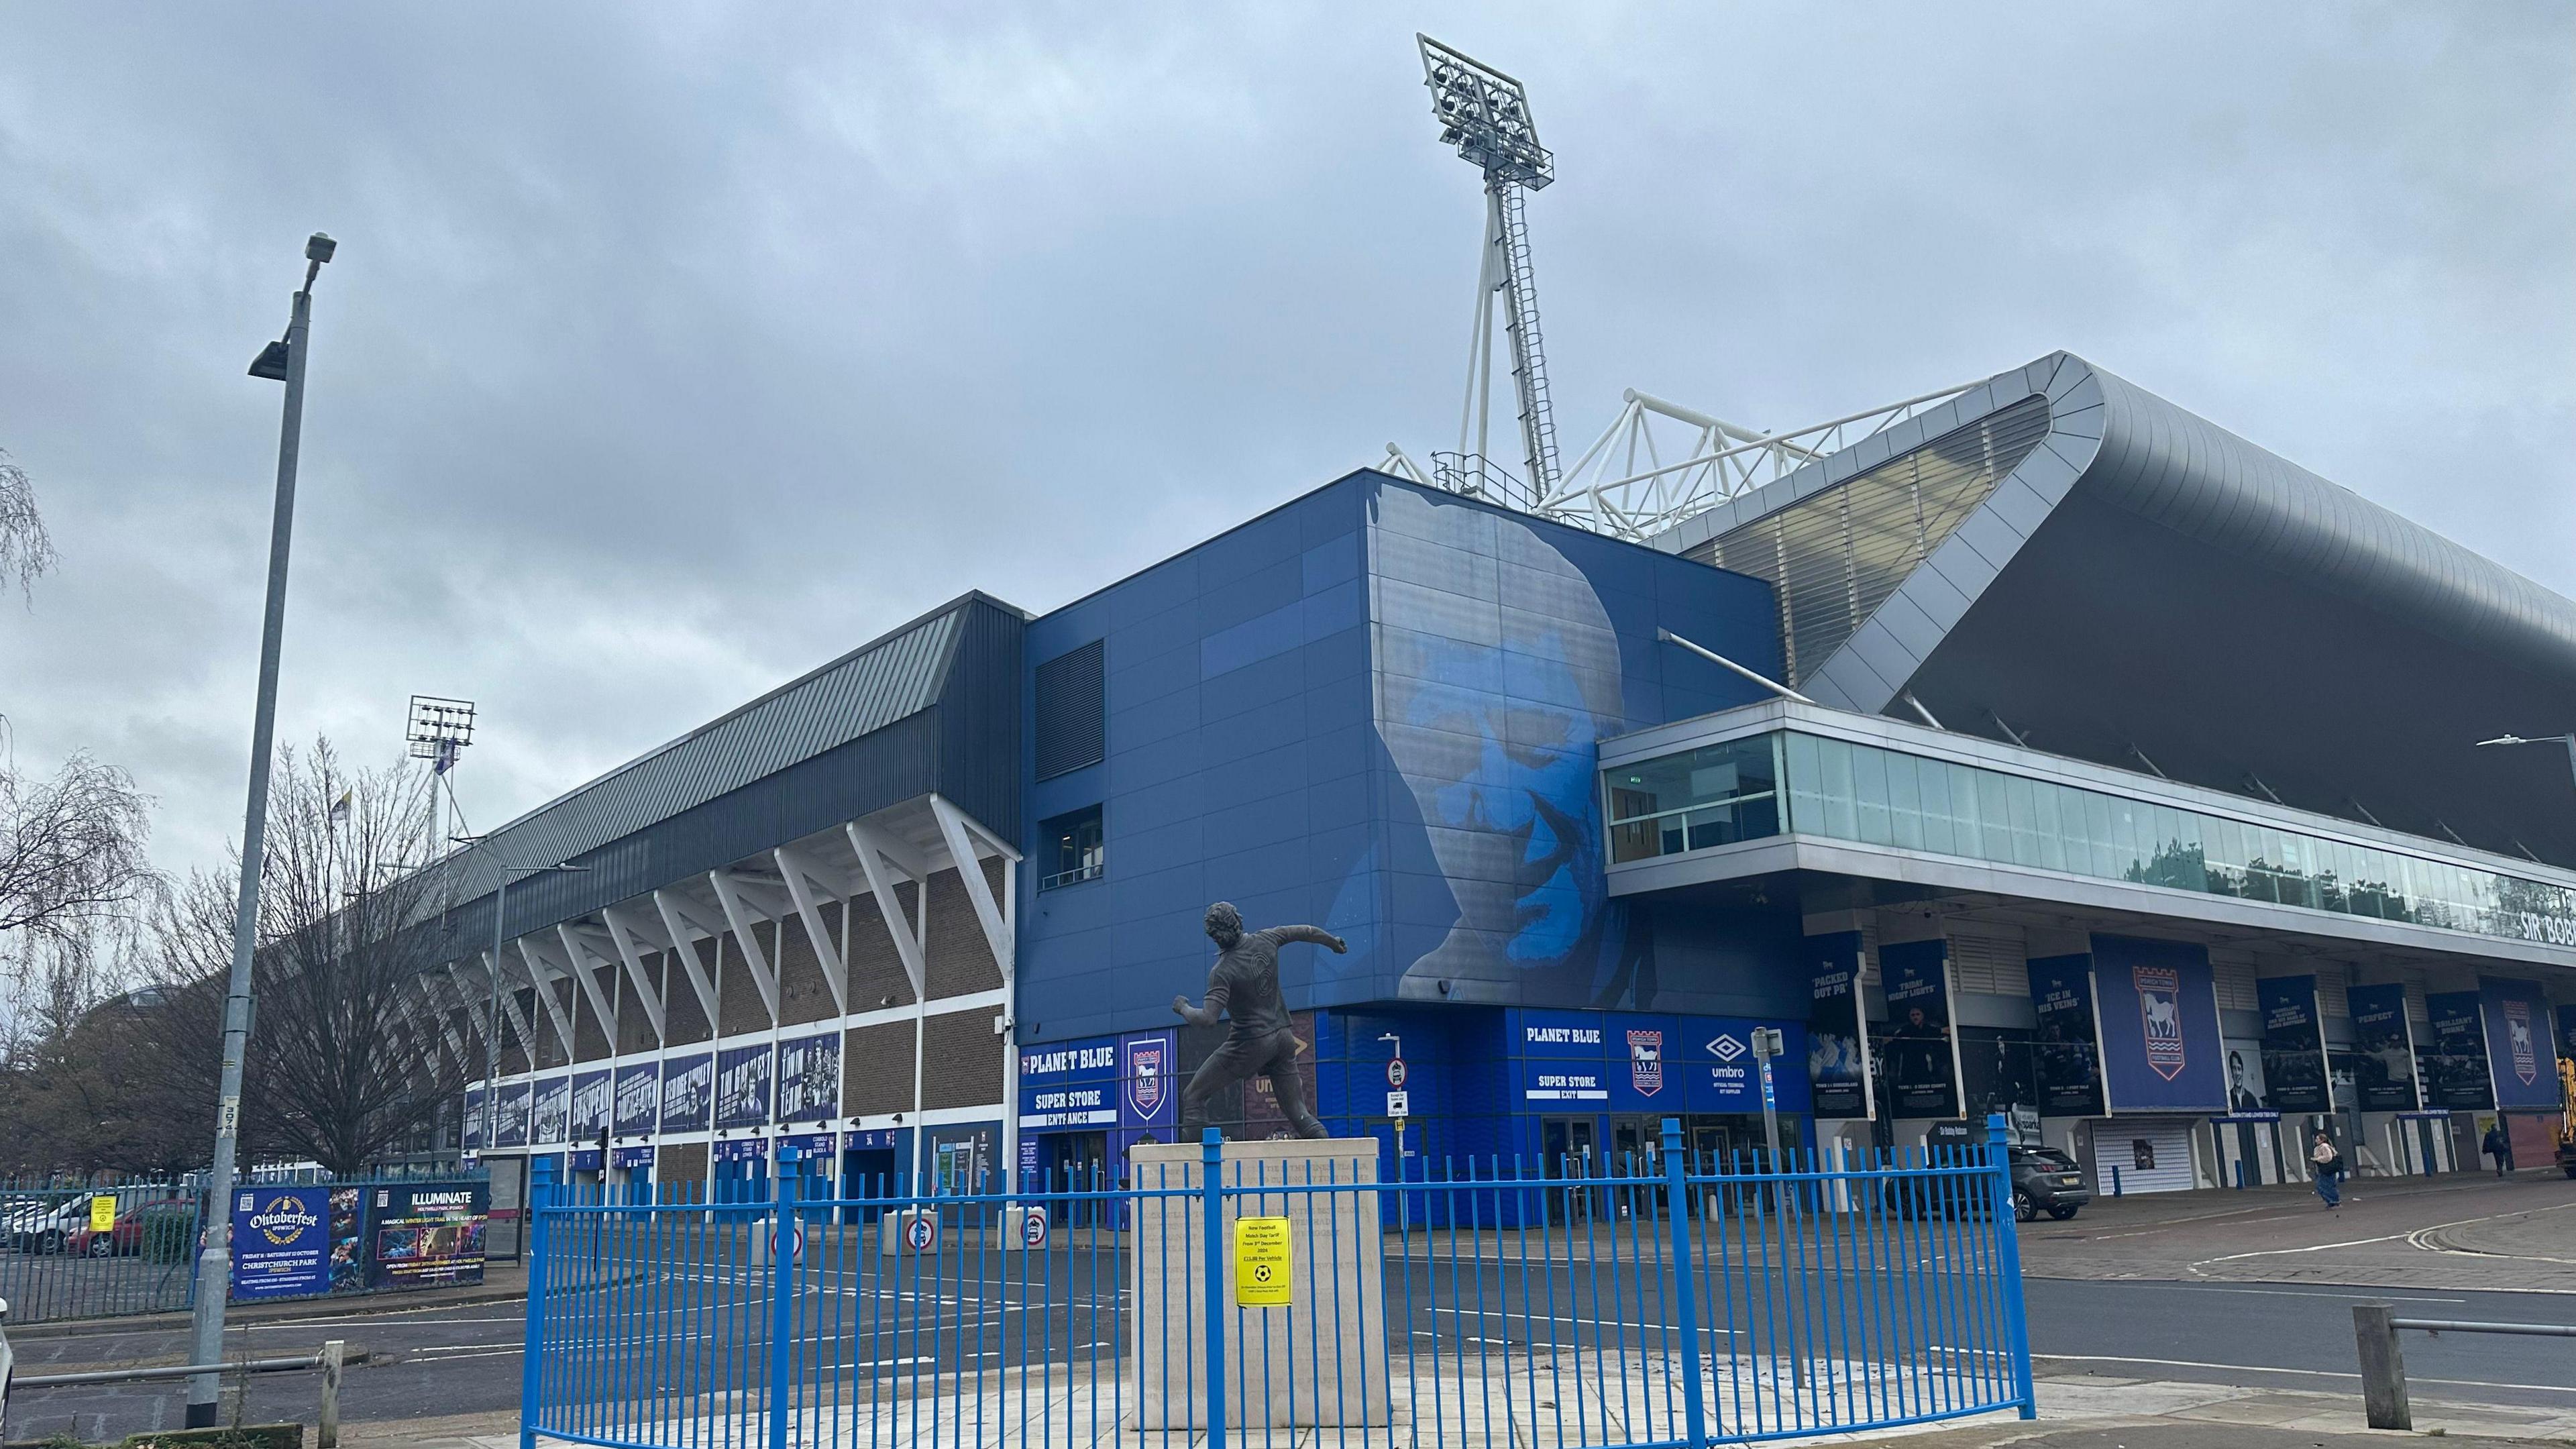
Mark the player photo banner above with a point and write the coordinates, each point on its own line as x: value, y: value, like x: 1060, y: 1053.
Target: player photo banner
x: 742, y: 1086
x: 1922, y: 1067
x: 2294, y: 1045
x: 688, y: 1092
x: 2069, y: 1053
x: 2518, y: 1056
x: 809, y: 1078
x: 2383, y: 1048
x: 553, y: 1109
x: 1837, y: 1050
x: 591, y: 1096
x: 639, y: 1098
x: 2455, y: 1060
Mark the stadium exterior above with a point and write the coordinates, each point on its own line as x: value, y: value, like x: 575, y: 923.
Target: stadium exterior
x: 2120, y: 775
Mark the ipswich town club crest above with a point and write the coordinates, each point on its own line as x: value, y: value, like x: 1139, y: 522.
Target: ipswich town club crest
x: 2518, y: 1042
x: 1149, y: 1077
x: 1646, y: 1062
x: 2160, y: 1002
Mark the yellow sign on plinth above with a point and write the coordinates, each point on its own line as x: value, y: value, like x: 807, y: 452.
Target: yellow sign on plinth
x: 1263, y: 1272
x: 102, y: 1213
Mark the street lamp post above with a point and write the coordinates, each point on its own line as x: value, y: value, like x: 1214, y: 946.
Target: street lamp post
x: 2569, y: 740
x: 282, y: 361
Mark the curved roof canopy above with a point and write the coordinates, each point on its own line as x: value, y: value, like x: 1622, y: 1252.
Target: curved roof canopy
x: 2062, y: 556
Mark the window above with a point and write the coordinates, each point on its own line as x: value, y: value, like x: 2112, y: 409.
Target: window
x: 1069, y: 848
x: 1712, y: 796
x: 1070, y: 712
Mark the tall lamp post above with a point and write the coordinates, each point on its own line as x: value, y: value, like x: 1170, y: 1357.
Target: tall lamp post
x: 281, y: 361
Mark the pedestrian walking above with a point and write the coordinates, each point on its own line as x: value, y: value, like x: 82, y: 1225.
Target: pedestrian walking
x: 2498, y: 1144
x: 2327, y: 1165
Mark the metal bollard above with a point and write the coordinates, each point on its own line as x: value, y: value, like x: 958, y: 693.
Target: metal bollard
x: 326, y: 1430
x: 2383, y: 1368
x: 2115, y: 1179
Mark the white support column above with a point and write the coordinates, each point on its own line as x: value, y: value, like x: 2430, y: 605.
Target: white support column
x: 678, y: 914
x: 739, y: 915
x: 533, y: 958
x: 803, y: 874
x: 434, y: 992
x: 967, y: 842
x: 510, y: 1011
x: 880, y: 856
x: 578, y: 952
x: 623, y: 933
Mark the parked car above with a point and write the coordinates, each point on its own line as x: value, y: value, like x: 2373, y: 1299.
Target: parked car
x: 126, y: 1238
x: 2046, y: 1180
x: 43, y: 1227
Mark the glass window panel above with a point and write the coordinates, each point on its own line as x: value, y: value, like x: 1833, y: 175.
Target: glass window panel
x: 2195, y: 851
x: 1940, y: 819
x: 1994, y: 816
x: 1869, y: 793
x: 1834, y: 786
x: 1904, y: 802
x: 1806, y: 807
x: 2046, y: 829
x: 2021, y: 810
x: 2102, y: 828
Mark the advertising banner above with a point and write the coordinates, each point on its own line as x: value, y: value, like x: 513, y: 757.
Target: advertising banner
x: 1922, y: 1065
x: 473, y: 1123
x: 553, y: 1109
x: 281, y: 1242
x: 512, y: 1128
x: 2069, y: 1051
x: 2518, y: 1056
x: 425, y: 1235
x: 1561, y: 1053
x: 688, y: 1092
x: 1149, y: 1088
x: 742, y: 1087
x: 1837, y: 1038
x: 2567, y: 1033
x: 590, y: 1099
x: 1721, y: 1074
x: 2383, y: 1048
x: 809, y: 1078
x: 2294, y: 1046
x: 2159, y: 1024
x: 2454, y: 1062
x: 741, y: 1149
x: 639, y: 1098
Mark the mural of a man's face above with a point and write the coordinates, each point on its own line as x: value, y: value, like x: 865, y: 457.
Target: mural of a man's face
x: 1494, y: 698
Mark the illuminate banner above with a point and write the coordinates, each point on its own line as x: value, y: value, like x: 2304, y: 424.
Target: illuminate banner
x: 2294, y: 1045
x: 2383, y: 1048
x: 2455, y: 1061
x: 1922, y: 1068
x: 1837, y: 1037
x: 426, y: 1235
x: 2518, y: 1056
x: 2070, y: 1066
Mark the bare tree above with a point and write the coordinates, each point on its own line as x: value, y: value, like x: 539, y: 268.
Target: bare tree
x: 340, y: 1070
x: 75, y: 883
x: 26, y: 550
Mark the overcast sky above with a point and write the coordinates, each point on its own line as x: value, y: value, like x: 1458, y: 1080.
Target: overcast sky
x: 672, y: 351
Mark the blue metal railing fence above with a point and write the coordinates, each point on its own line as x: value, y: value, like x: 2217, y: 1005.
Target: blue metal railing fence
x: 1668, y: 1300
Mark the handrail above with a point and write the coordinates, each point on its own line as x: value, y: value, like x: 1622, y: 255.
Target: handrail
x: 332, y: 1357
x: 2383, y: 1369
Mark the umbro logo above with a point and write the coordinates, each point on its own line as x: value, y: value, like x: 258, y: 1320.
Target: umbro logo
x: 1726, y: 1048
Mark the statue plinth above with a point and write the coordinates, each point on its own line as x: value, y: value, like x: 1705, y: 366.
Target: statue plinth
x: 1323, y: 1355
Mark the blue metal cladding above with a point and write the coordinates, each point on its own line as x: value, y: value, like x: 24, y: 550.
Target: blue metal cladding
x: 1375, y: 709
x: 2158, y: 1008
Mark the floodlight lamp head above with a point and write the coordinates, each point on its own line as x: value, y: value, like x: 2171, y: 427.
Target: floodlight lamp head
x: 1485, y: 114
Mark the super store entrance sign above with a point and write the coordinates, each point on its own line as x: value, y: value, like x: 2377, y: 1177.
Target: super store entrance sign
x: 1633, y: 1062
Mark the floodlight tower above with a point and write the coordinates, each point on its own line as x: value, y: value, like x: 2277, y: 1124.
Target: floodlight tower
x: 439, y: 731
x: 1485, y: 114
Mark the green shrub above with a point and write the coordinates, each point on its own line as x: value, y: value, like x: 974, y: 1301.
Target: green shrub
x: 169, y: 1235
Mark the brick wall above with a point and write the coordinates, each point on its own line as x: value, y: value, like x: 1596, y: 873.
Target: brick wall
x: 876, y: 1069
x: 687, y: 1014
x: 960, y: 960
x: 803, y: 993
x: 737, y: 995
x: 877, y: 978
x: 962, y: 1060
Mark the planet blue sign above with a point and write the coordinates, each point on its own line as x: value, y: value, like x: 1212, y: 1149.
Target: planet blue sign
x: 281, y: 1242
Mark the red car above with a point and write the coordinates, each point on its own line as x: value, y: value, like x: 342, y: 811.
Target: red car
x: 122, y: 1241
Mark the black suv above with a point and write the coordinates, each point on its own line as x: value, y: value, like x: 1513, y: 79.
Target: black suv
x: 2046, y: 1180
